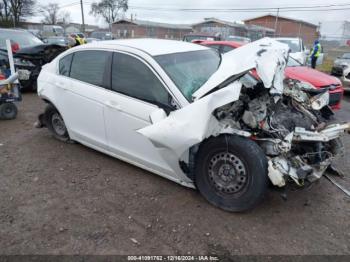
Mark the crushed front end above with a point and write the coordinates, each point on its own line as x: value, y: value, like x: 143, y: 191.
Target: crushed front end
x: 294, y: 129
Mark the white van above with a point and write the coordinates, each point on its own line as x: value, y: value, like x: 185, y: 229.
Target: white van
x: 297, y: 48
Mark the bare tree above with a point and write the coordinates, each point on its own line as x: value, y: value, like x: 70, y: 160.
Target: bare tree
x: 64, y: 17
x: 4, y: 10
x: 21, y: 8
x: 51, y: 13
x: 109, y: 10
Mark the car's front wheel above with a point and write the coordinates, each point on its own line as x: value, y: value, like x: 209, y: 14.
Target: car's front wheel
x: 54, y: 122
x: 231, y: 172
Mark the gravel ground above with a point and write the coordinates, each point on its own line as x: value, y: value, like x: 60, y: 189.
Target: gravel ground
x: 58, y: 198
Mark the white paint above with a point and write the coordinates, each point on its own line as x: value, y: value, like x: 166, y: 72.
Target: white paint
x: 266, y: 55
x: 10, y: 56
x: 192, y: 124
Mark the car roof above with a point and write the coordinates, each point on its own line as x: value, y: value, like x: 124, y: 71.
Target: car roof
x: 151, y: 46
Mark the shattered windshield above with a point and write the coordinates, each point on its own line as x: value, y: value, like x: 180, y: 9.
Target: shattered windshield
x: 190, y: 70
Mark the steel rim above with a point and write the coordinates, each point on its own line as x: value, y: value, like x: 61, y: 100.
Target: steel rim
x: 227, y: 173
x: 58, y: 124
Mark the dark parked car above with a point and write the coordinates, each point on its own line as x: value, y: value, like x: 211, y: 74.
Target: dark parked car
x: 30, y: 54
x: 102, y: 35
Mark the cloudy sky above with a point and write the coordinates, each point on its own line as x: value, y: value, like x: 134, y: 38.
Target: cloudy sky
x: 145, y: 10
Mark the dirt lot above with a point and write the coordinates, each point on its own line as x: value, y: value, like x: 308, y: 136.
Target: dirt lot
x: 58, y: 198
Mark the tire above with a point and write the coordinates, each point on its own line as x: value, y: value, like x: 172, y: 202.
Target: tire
x: 54, y: 122
x: 8, y: 111
x: 231, y: 172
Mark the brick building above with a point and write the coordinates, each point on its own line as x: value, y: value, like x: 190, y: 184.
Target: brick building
x: 127, y: 28
x: 287, y: 27
x: 225, y: 29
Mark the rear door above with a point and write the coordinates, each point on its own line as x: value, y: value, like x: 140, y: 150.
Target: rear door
x: 135, y: 93
x: 82, y: 85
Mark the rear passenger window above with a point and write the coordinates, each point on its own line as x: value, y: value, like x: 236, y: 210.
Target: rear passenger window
x: 64, y: 65
x: 90, y: 67
x: 132, y: 77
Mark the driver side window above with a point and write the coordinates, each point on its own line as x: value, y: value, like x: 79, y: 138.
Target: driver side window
x: 133, y: 78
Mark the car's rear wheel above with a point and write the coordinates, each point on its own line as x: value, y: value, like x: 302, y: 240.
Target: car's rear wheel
x: 8, y: 111
x: 55, y: 123
x: 231, y: 172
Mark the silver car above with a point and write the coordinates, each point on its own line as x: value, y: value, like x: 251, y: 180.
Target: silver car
x: 341, y: 64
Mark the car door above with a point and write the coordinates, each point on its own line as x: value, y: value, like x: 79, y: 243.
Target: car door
x: 135, y: 93
x: 83, y: 95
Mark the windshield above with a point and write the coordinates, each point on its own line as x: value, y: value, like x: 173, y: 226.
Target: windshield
x: 293, y: 44
x: 293, y: 62
x: 346, y: 56
x: 22, y: 38
x: 190, y: 70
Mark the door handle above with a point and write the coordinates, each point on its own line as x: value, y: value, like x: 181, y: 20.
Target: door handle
x: 113, y: 105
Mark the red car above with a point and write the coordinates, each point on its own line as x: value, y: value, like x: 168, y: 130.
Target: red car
x: 296, y: 71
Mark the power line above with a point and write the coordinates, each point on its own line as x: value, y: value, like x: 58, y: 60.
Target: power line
x: 240, y: 9
x: 310, y: 8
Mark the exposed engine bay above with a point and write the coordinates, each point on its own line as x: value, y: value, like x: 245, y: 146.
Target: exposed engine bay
x: 292, y: 125
x: 292, y: 129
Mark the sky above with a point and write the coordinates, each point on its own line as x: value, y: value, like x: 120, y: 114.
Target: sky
x: 330, y: 20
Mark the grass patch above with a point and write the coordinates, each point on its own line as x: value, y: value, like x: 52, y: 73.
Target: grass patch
x: 326, y: 66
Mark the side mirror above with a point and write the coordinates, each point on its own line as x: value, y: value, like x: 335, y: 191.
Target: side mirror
x: 157, y: 116
x: 45, y: 41
x: 307, y: 51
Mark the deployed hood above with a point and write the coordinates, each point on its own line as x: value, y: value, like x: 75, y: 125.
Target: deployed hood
x: 312, y: 76
x: 268, y: 56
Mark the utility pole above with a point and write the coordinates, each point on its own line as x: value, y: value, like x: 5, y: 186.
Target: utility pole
x: 276, y: 21
x: 82, y: 16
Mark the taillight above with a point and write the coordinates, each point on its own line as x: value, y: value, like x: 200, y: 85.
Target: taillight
x: 2, y: 77
x: 14, y: 47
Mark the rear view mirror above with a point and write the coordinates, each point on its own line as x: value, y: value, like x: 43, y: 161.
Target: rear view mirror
x: 157, y: 116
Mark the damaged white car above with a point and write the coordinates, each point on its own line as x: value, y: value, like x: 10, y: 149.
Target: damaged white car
x: 184, y: 112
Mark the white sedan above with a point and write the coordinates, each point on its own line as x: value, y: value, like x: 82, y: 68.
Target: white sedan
x: 182, y: 111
